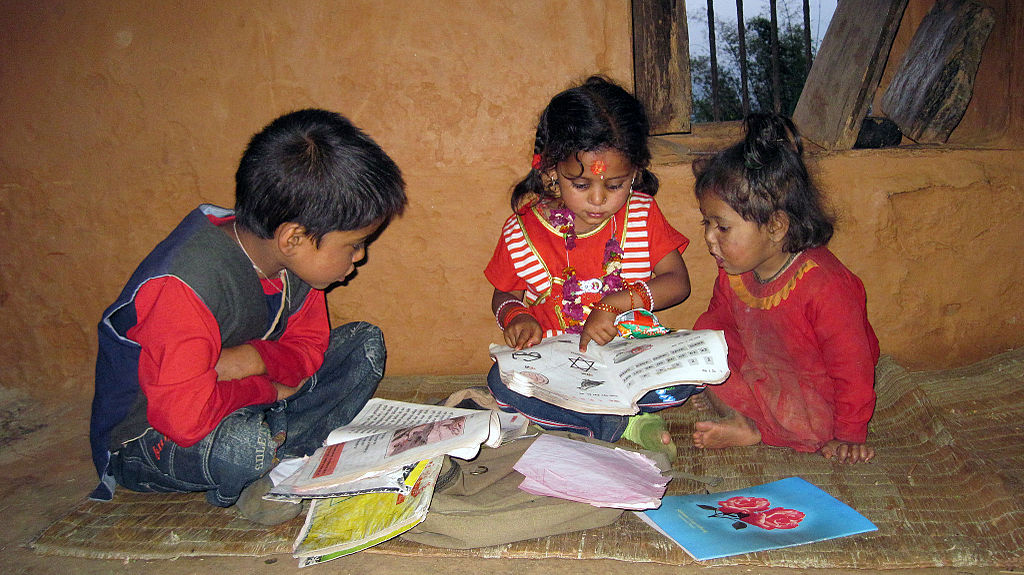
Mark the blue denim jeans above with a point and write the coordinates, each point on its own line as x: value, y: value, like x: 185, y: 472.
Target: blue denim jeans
x: 247, y: 443
x: 604, y: 427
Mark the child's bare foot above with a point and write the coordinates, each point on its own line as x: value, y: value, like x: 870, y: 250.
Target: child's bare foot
x: 650, y: 431
x: 734, y: 431
x: 847, y: 452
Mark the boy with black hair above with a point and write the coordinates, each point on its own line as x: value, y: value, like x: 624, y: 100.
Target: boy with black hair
x: 217, y: 359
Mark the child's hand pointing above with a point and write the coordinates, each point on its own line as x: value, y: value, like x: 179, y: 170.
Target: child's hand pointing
x: 600, y: 329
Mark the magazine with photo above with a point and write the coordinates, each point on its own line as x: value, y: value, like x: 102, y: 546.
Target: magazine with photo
x: 783, y: 513
x: 387, y: 435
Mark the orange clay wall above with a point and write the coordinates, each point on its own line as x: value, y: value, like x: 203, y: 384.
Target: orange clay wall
x: 120, y: 117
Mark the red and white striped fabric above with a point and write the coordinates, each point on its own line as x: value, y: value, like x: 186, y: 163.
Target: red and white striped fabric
x: 531, y: 255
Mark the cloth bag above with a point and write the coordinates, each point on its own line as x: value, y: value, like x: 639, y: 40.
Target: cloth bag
x: 478, y: 503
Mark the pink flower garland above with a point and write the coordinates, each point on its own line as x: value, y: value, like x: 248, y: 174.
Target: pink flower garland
x: 572, y: 294
x: 564, y: 220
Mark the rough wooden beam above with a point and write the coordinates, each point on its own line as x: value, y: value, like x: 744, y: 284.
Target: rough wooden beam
x: 934, y: 83
x: 846, y: 72
x: 661, y: 65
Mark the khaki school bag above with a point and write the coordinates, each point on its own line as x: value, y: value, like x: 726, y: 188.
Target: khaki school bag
x: 478, y: 503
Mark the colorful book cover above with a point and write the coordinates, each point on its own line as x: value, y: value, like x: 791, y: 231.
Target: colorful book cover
x: 783, y: 513
x: 340, y: 526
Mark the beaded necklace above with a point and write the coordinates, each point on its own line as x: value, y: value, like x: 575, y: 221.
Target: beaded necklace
x: 283, y: 290
x: 573, y: 311
x: 785, y: 266
x: 234, y: 227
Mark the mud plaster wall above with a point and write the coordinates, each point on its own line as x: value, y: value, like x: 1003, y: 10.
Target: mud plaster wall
x: 118, y: 118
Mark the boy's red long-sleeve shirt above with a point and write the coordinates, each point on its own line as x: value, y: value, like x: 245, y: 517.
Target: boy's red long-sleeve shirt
x: 181, y: 343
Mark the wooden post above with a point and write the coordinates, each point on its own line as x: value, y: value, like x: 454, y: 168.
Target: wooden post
x: 661, y: 64
x: 930, y: 91
x: 846, y: 72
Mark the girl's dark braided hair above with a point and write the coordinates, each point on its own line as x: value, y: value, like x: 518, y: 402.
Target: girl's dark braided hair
x: 764, y: 174
x: 596, y: 115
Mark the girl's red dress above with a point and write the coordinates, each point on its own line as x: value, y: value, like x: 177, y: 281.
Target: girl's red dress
x: 801, y: 351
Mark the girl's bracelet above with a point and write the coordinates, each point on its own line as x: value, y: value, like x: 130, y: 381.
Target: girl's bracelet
x: 497, y: 312
x: 633, y: 290
x: 608, y: 308
x: 642, y: 292
x: 512, y: 313
x: 650, y: 298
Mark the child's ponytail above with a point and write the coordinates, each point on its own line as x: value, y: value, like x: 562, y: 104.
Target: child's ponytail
x: 646, y: 182
x: 774, y: 166
x: 764, y: 174
x: 533, y: 184
x: 769, y: 139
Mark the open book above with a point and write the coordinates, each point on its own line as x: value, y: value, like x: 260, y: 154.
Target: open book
x: 389, y: 435
x: 613, y: 377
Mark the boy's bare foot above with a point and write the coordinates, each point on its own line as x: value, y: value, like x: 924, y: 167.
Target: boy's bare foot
x: 734, y: 431
x: 253, y: 507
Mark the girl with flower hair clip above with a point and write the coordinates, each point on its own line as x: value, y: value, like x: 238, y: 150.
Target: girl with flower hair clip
x: 802, y: 353
x: 586, y: 242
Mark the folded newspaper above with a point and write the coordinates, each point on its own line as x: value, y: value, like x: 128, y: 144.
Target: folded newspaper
x: 385, y: 437
x: 611, y: 378
x: 393, y: 481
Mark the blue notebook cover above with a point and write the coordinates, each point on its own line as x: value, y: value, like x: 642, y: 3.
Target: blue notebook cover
x: 783, y: 513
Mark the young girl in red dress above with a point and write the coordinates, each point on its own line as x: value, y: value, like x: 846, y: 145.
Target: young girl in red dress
x: 586, y: 241
x: 802, y: 354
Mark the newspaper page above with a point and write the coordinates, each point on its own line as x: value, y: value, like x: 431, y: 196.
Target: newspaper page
x: 387, y: 435
x: 390, y: 481
x: 612, y: 378
x: 344, y: 525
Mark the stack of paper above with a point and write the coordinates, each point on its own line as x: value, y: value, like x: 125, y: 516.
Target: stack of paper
x: 373, y: 478
x: 601, y: 476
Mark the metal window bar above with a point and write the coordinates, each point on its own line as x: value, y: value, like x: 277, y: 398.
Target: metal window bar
x: 741, y: 30
x: 741, y: 37
x: 776, y: 79
x: 715, y: 114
